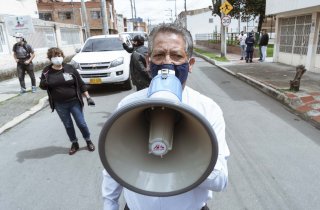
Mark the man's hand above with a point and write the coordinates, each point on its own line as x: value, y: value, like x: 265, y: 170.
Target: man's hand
x: 90, y: 102
x: 27, y: 62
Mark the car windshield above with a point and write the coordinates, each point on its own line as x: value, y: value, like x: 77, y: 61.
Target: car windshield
x: 102, y: 44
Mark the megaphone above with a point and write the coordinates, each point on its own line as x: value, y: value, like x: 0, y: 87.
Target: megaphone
x: 158, y: 146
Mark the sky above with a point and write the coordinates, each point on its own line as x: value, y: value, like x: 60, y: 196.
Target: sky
x: 157, y: 11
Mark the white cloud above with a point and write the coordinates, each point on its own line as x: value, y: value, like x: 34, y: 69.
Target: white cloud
x: 156, y: 10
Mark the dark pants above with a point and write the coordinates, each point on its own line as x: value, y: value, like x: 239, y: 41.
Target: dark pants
x: 249, y: 55
x: 65, y: 110
x: 21, y: 70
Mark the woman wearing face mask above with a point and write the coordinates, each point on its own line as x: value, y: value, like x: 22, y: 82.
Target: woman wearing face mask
x: 65, y: 90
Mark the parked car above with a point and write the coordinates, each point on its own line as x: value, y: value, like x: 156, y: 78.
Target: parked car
x: 102, y: 60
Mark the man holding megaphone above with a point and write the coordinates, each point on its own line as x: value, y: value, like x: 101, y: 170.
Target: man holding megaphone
x: 171, y: 176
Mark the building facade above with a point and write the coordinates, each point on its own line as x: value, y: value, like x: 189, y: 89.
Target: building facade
x: 45, y: 34
x: 71, y: 13
x: 297, y: 32
x: 201, y: 21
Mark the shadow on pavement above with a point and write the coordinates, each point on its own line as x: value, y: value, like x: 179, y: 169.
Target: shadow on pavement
x: 41, y: 153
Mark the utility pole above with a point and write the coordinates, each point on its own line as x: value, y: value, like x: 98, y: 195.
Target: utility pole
x: 223, y: 35
x: 185, y: 12
x: 104, y: 17
x: 175, y: 8
x: 85, y: 17
x: 170, y: 10
x: 135, y: 16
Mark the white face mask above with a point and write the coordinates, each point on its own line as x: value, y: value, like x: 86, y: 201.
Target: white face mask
x: 57, y: 60
x: 18, y: 39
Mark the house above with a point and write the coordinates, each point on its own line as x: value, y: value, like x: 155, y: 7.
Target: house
x: 201, y: 22
x: 297, y: 28
x: 70, y: 12
x: 40, y: 34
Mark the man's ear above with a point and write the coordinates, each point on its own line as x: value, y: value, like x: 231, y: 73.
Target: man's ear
x: 191, y: 62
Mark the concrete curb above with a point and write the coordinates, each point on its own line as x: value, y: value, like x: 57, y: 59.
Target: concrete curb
x: 268, y: 90
x: 42, y: 104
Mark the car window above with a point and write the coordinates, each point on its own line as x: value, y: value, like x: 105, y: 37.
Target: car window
x: 102, y: 44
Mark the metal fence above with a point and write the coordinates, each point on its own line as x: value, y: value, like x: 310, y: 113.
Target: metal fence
x: 70, y: 36
x: 216, y: 38
x: 44, y: 37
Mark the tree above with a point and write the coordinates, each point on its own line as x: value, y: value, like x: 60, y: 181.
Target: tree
x: 247, y: 9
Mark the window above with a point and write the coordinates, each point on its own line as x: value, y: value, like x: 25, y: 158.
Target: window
x: 294, y: 34
x: 102, y: 44
x: 45, y: 16
x: 210, y: 20
x: 286, y: 34
x: 303, y: 27
x: 65, y: 15
x: 95, y: 14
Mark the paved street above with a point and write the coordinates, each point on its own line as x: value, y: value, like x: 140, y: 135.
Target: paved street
x: 273, y: 152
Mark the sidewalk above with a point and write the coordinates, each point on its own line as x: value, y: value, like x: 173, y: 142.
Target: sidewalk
x: 273, y: 79
x: 14, y: 107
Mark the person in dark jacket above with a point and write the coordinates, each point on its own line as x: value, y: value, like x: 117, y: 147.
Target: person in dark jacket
x: 138, y: 72
x: 250, y: 47
x: 23, y: 54
x: 65, y: 89
x: 264, y: 40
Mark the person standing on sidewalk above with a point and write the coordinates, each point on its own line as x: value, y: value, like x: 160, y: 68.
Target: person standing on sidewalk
x: 250, y: 47
x: 65, y: 89
x: 242, y: 42
x: 264, y: 40
x: 23, y: 54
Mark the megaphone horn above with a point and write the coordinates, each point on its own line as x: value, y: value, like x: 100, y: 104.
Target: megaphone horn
x: 158, y: 146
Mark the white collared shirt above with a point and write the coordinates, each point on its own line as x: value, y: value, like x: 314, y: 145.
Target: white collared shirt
x: 242, y: 39
x: 194, y: 199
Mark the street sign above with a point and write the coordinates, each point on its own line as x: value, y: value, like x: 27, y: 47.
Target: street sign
x: 226, y: 20
x: 19, y: 24
x: 226, y: 7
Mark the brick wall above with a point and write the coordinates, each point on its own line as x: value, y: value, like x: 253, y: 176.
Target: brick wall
x: 95, y: 24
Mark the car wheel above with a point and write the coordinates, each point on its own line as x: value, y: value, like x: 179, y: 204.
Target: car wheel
x: 128, y: 84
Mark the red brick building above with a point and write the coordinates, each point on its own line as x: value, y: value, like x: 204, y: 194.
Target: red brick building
x: 70, y: 12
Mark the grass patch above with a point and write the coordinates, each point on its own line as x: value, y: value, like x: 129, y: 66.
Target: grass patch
x: 211, y: 55
x: 270, y: 51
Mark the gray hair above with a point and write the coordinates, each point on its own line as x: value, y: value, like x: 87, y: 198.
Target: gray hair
x: 175, y: 29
